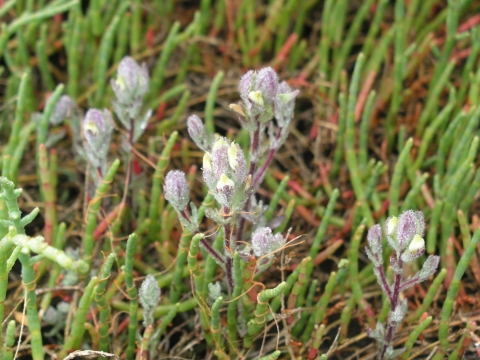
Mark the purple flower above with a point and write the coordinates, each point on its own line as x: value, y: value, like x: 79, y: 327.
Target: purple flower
x: 246, y: 83
x: 409, y: 224
x: 132, y: 81
x: 258, y: 91
x: 267, y: 83
x: 97, y: 129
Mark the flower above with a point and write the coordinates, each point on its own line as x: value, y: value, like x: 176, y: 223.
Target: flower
x: 232, y: 156
x: 132, y: 80
x: 225, y: 172
x: 409, y: 224
x: 258, y: 91
x: 391, y: 225
x: 416, y: 245
x: 197, y: 132
x: 207, y: 162
x: 225, y: 182
x: 177, y: 190
x: 97, y: 129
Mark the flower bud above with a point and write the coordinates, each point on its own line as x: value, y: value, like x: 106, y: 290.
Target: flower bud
x: 219, y: 143
x: 132, y: 80
x: 267, y: 83
x: 246, y: 83
x: 94, y: 124
x: 149, y: 293
x: 177, y: 190
x: 224, y: 182
x: 207, y: 162
x: 420, y: 222
x: 391, y: 225
x: 232, y: 156
x: 97, y: 129
x: 256, y: 97
x: 63, y: 108
x: 197, y: 132
x: 406, y: 228
x: 258, y: 91
x: 374, y: 238
x: 416, y: 245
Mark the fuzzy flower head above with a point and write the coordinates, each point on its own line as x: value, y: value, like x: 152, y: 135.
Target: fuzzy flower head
x: 402, y: 230
x: 132, y: 80
x: 264, y: 242
x: 225, y: 172
x: 374, y: 250
x: 374, y: 238
x: 410, y: 223
x: 177, y: 190
x: 63, y: 109
x: 258, y: 91
x: 97, y: 129
x: 415, y: 249
x: 197, y: 132
x: 391, y: 225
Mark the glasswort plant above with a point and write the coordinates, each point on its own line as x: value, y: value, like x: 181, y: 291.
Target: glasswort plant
x: 405, y: 237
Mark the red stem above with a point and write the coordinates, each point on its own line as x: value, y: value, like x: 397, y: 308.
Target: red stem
x: 393, y: 304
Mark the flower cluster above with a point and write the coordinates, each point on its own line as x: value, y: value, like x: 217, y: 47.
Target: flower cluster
x: 405, y: 237
x: 263, y: 97
x: 130, y: 86
x: 97, y: 129
x: 225, y: 174
x: 228, y: 178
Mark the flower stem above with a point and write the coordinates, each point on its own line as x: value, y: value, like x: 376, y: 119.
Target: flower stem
x: 391, y: 325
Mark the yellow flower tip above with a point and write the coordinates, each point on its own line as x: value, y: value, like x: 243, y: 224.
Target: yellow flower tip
x: 207, y: 162
x: 256, y: 97
x: 232, y: 156
x: 392, y: 225
x: 417, y: 244
x: 220, y: 142
x: 120, y: 82
x: 224, y: 181
x: 90, y: 126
